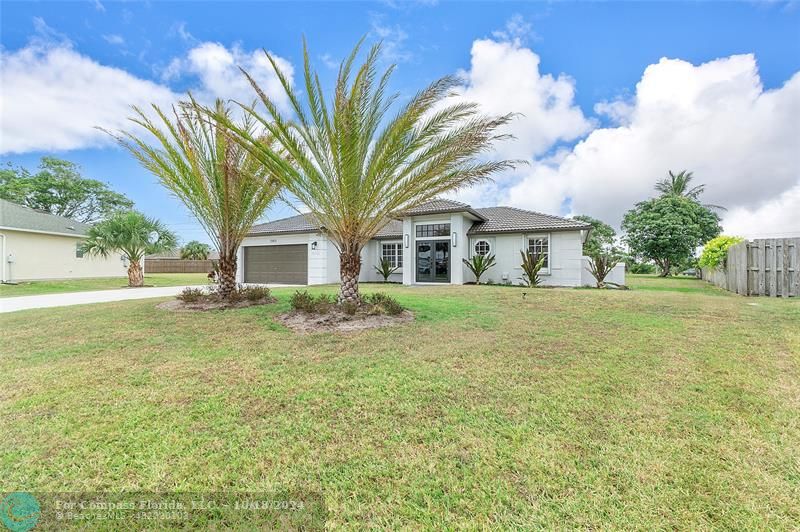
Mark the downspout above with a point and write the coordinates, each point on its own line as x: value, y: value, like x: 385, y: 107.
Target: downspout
x: 4, y: 258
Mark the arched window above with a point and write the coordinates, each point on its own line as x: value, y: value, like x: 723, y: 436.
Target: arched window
x: 482, y: 247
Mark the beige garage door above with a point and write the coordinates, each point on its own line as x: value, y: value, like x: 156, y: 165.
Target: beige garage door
x: 276, y: 264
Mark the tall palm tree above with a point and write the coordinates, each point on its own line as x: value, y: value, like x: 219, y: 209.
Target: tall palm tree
x: 354, y: 166
x: 134, y: 235
x: 678, y: 186
x: 199, y: 161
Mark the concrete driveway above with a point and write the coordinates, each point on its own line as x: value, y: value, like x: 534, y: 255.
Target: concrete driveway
x: 13, y: 304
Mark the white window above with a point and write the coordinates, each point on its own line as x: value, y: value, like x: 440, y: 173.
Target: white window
x: 540, y: 246
x: 79, y: 250
x: 393, y: 253
x: 482, y: 247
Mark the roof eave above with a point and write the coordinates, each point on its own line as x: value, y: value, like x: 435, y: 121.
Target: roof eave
x: 525, y: 230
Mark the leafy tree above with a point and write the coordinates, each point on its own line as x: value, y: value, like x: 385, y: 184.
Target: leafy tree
x: 195, y: 250
x: 134, y: 235
x: 679, y: 186
x: 715, y: 251
x: 385, y: 269
x: 601, y: 237
x: 532, y: 264
x: 479, y: 264
x: 199, y: 161
x: 354, y: 166
x: 59, y: 188
x: 668, y: 229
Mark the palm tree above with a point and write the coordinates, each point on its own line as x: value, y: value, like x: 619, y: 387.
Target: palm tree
x: 199, y: 161
x: 195, y: 250
x: 134, y: 235
x: 353, y: 166
x: 678, y: 186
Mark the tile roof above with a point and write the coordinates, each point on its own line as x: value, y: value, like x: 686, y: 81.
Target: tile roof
x: 22, y: 218
x: 439, y: 205
x: 513, y: 220
x: 306, y: 223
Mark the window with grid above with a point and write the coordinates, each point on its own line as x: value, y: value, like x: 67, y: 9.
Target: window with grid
x: 433, y: 230
x: 540, y: 246
x: 393, y: 253
x: 78, y: 250
x: 482, y: 247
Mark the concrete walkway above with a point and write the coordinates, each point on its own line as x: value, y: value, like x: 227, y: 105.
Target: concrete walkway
x: 13, y: 304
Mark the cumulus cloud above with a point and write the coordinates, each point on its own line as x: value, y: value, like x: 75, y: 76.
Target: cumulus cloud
x: 53, y: 97
x: 504, y: 77
x: 715, y: 119
x: 216, y: 69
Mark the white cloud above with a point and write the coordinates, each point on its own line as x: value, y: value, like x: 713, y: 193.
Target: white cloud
x: 393, y: 39
x: 517, y: 31
x: 53, y: 98
x: 217, y: 70
x: 504, y: 78
x: 775, y: 218
x: 114, y: 39
x: 714, y: 119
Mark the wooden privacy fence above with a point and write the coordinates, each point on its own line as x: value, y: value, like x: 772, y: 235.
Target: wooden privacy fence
x: 761, y: 267
x: 177, y: 266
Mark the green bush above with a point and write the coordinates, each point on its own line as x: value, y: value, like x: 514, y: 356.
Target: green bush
x: 385, y: 303
x: 255, y: 293
x: 191, y: 295
x: 715, y: 251
x: 641, y: 268
x: 349, y: 307
x: 306, y: 302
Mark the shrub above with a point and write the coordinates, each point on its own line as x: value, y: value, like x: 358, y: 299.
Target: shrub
x: 531, y: 265
x: 641, y: 268
x: 385, y: 303
x: 349, y: 307
x: 715, y: 252
x: 191, y: 295
x: 479, y: 264
x: 255, y: 293
x: 600, y: 265
x: 302, y: 301
x: 385, y: 269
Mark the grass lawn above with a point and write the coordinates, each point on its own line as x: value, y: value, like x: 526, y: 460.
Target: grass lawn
x: 32, y: 288
x: 670, y: 406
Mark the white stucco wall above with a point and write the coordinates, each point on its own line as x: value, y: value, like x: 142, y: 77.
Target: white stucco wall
x: 39, y: 256
x: 565, y: 257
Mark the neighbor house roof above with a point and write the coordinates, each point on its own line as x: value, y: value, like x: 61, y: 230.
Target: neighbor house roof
x: 439, y: 206
x: 490, y: 220
x: 513, y: 220
x: 306, y: 223
x: 19, y: 218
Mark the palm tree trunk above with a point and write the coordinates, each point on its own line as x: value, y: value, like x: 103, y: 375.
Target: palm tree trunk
x: 135, y: 274
x: 349, y: 270
x: 227, y: 274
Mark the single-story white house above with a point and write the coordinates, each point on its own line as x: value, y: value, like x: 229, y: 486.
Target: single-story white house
x: 428, y: 244
x: 37, y: 245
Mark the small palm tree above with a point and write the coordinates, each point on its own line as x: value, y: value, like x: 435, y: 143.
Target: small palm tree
x: 353, y: 166
x: 600, y: 265
x: 678, y: 185
x: 385, y: 269
x: 532, y: 264
x: 198, y: 160
x: 132, y: 234
x: 479, y: 264
x: 195, y: 250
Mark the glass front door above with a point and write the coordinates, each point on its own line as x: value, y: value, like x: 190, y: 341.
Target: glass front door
x: 433, y: 261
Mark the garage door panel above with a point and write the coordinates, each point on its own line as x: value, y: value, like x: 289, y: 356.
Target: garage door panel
x: 285, y: 264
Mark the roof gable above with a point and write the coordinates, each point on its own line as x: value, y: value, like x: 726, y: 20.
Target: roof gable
x: 20, y: 218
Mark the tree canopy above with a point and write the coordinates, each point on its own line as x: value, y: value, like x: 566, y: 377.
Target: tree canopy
x: 601, y: 237
x: 715, y: 251
x: 59, y: 188
x: 194, y: 250
x: 668, y: 229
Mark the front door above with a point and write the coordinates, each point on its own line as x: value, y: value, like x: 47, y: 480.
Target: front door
x: 433, y: 261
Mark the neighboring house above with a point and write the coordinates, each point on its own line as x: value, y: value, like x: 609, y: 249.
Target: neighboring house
x: 36, y: 245
x: 428, y: 244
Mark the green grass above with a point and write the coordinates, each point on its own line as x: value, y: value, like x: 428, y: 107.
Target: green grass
x: 669, y: 406
x: 32, y: 288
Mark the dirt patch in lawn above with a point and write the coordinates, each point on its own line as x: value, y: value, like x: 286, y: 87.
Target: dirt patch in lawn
x: 177, y: 305
x: 338, y: 321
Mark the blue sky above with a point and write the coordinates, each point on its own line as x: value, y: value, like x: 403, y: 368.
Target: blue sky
x: 602, y: 49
